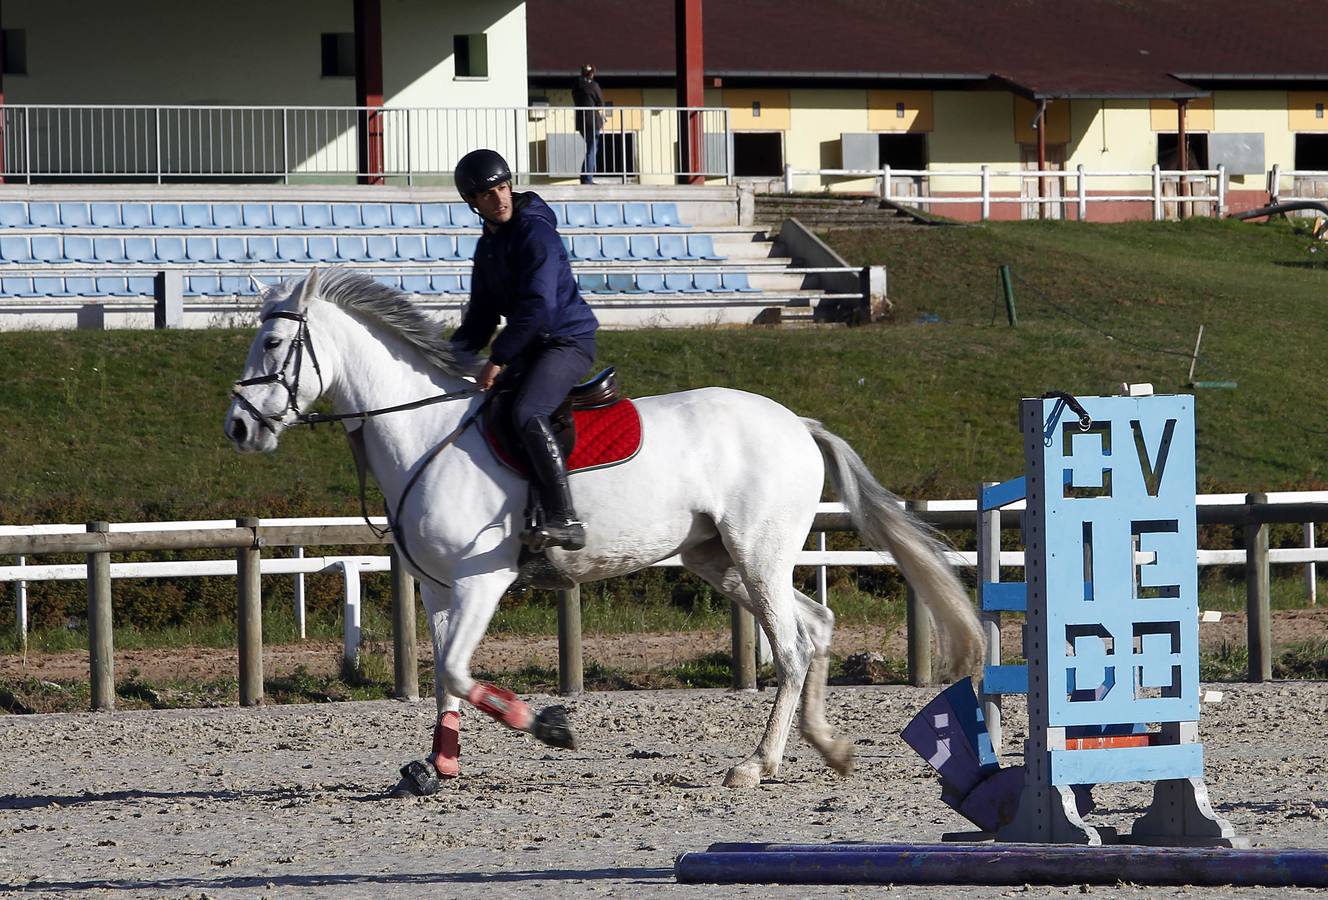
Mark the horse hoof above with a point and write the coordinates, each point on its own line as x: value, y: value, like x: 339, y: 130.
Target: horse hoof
x: 418, y: 779
x: 552, y: 727
x: 840, y: 757
x: 742, y: 777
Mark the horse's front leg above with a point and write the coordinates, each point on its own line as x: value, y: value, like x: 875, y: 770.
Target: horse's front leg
x: 421, y: 777
x: 474, y: 600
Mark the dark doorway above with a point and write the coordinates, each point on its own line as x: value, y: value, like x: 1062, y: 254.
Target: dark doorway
x: 758, y: 154
x: 616, y: 153
x: 1168, y: 150
x: 904, y: 151
x: 1312, y: 152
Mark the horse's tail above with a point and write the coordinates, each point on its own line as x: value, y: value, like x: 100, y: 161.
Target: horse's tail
x: 885, y: 525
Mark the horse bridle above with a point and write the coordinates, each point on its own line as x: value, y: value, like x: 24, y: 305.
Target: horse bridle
x: 294, y: 351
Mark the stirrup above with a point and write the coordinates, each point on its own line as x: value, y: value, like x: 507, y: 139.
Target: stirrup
x: 568, y: 536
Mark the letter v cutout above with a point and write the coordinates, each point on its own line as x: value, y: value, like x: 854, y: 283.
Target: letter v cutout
x: 1152, y: 473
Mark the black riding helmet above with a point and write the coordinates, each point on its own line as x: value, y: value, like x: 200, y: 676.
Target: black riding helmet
x: 480, y: 170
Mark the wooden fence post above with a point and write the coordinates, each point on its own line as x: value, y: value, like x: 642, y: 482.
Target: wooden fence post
x: 571, y: 668
x: 101, y: 641
x: 744, y: 648
x: 249, y: 617
x: 1257, y: 603
x: 919, y: 627
x: 405, y: 661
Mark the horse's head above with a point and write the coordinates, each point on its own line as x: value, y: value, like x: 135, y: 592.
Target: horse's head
x: 281, y: 377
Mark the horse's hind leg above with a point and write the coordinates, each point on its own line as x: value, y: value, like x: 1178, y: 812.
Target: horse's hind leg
x: 771, y: 602
x: 820, y: 623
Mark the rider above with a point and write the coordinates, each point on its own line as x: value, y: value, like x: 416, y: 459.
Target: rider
x: 521, y: 273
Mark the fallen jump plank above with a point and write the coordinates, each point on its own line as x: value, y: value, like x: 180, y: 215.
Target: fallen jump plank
x: 1053, y: 864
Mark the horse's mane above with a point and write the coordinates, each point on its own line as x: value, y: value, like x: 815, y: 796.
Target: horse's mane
x: 390, y: 307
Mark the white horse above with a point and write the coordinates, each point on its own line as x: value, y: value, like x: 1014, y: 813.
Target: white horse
x: 728, y: 481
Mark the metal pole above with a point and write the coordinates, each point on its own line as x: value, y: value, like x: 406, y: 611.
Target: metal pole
x: 101, y: 646
x: 1157, y: 193
x: 919, y: 627
x: 986, y: 192
x: 989, y: 570
x: 1083, y: 194
x: 571, y: 672
x: 1221, y: 192
x: 822, y: 595
x: 405, y: 663
x: 299, y: 597
x: 744, y: 648
x: 21, y: 609
x: 1311, y: 569
x: 1258, y: 614
x: 157, y: 136
x: 1007, y: 286
x: 249, y: 617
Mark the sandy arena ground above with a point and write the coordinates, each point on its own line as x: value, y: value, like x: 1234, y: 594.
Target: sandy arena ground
x: 287, y: 801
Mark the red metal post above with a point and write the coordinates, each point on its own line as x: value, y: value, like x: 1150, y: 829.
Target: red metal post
x: 2, y: 101
x: 369, y: 88
x: 1183, y: 163
x: 691, y: 87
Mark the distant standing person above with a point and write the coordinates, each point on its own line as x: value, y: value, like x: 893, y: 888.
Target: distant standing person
x: 586, y: 93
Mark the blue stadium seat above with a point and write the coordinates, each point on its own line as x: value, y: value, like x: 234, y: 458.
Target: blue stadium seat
x: 623, y: 283
x: 448, y: 284
x: 227, y: 215
x: 106, y: 215
x: 231, y: 249
x: 346, y: 215
x: 382, y: 248
x: 411, y: 246
x: 83, y: 286
x: 167, y: 215
x: 140, y: 286
x: 435, y: 215
x: 139, y: 249
x: 636, y: 215
x: 440, y: 246
x: 352, y: 249
x: 737, y: 281
x: 135, y: 215
x: 74, y: 215
x: 681, y: 283
x: 317, y: 215
x: 257, y: 215
x: 392, y: 281
x: 645, y: 246
x: 466, y: 246
x: 560, y: 212
x: 238, y: 285
x: 462, y: 217
x: 16, y: 287
x: 652, y: 282
x: 15, y: 250
x: 287, y: 215
x: 405, y: 215
x: 375, y: 215
x: 323, y: 248
x: 580, y: 215
x: 45, y: 215
x: 592, y: 284
x: 292, y: 249
x: 113, y: 285
x: 46, y: 248
x: 79, y: 249
x: 608, y: 215
x: 673, y: 246
x: 49, y: 286
x: 665, y: 214
x: 586, y: 246
x: 196, y: 215
x: 262, y: 249
x: 615, y: 246
x: 108, y: 249
x: 707, y: 281
x: 201, y: 249
x: 202, y: 285
x: 13, y: 215
x: 465, y: 283
x: 416, y: 284
x: 170, y: 249
x: 702, y: 246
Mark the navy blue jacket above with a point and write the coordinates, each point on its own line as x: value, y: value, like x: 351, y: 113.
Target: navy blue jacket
x: 521, y: 273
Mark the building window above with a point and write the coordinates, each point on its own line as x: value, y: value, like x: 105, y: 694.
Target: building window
x: 903, y: 151
x: 339, y: 55
x: 1168, y: 150
x: 471, y: 52
x: 16, y: 51
x: 1312, y: 152
x: 758, y: 154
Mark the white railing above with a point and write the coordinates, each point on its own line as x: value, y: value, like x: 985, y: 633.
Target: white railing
x: 1298, y: 178
x: 1203, y: 187
x: 312, y: 143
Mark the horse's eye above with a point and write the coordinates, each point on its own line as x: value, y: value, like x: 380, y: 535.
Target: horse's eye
x: 272, y: 343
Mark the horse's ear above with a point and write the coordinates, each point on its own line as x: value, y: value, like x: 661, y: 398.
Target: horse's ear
x: 307, y: 290
x: 264, y: 289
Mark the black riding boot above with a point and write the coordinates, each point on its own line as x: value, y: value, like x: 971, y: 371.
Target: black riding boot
x: 560, y: 527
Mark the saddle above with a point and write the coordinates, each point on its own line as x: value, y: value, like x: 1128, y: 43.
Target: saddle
x: 596, y: 409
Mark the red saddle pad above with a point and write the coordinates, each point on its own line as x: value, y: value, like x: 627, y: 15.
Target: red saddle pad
x: 604, y: 437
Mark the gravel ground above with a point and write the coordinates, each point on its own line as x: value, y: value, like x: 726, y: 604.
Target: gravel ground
x: 287, y: 801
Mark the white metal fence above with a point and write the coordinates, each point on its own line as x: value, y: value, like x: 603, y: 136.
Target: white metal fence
x: 285, y: 143
x: 1306, y: 184
x: 1204, y: 190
